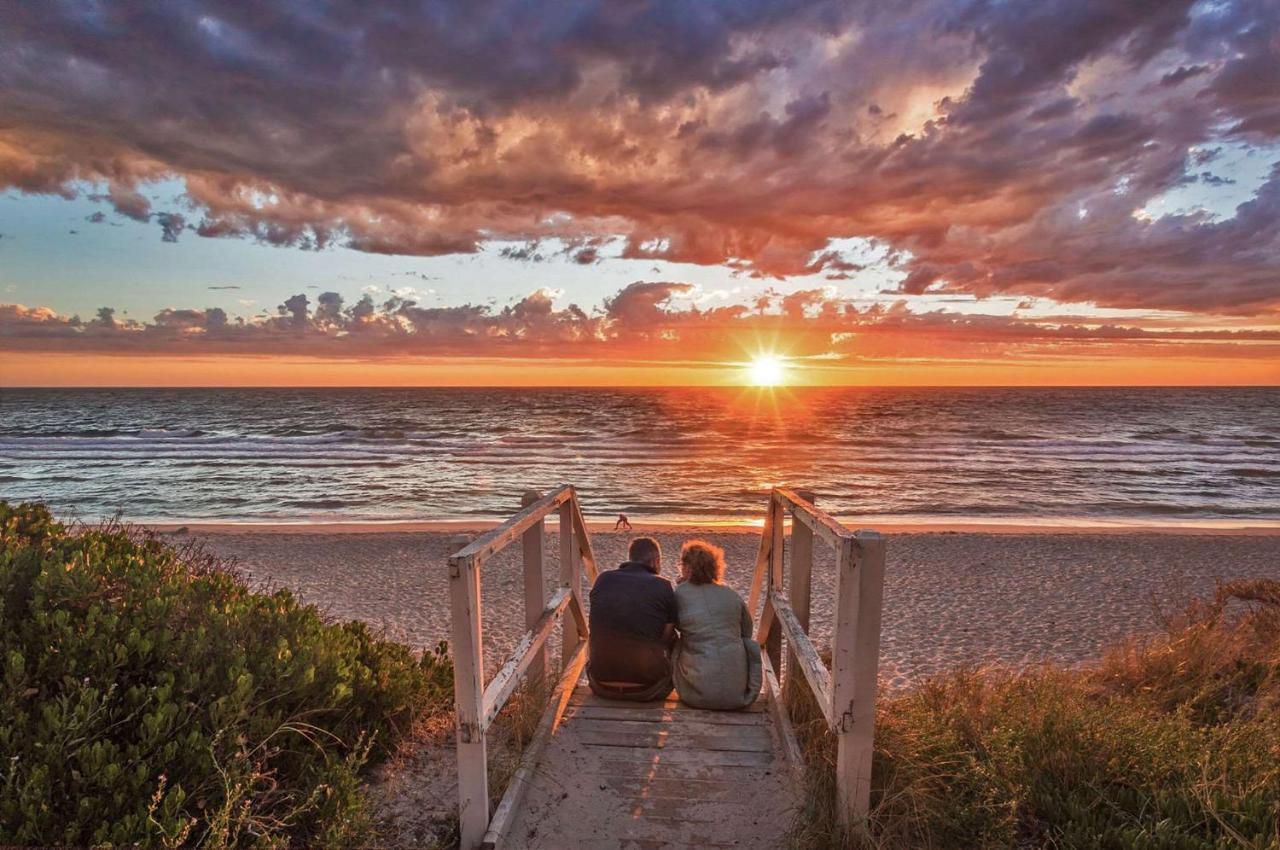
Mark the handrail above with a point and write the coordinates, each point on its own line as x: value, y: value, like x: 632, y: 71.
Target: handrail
x: 504, y: 682
x: 763, y: 558
x: 584, y: 542
x: 846, y: 692
x: 819, y: 521
x: 803, y: 650
x: 477, y: 704
x: 496, y: 539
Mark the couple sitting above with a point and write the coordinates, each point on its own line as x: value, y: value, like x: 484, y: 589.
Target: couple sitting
x: 647, y: 635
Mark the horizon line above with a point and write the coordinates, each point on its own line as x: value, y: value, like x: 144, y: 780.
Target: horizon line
x: 777, y: 388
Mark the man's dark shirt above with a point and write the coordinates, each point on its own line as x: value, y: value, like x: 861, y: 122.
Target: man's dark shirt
x: 630, y: 610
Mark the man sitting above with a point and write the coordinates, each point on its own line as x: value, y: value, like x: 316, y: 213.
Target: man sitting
x: 633, y: 624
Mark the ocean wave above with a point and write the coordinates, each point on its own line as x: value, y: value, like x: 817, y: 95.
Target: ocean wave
x: 1254, y: 472
x: 885, y: 453
x: 320, y: 504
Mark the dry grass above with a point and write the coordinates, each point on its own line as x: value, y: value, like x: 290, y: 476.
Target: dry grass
x: 1168, y: 743
x: 511, y: 732
x: 426, y: 767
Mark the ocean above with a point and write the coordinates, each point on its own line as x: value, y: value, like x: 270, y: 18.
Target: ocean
x: 321, y: 455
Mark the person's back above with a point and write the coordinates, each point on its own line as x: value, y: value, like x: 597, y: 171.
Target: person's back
x: 716, y: 664
x: 632, y: 623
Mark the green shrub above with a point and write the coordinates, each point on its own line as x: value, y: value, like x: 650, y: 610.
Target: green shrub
x: 1172, y: 743
x: 151, y: 697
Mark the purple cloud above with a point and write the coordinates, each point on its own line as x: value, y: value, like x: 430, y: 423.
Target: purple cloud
x: 966, y: 134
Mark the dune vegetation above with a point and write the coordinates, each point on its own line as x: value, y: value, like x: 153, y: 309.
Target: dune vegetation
x: 150, y: 697
x: 1172, y: 742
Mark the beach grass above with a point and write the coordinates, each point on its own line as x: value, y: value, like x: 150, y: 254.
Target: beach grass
x: 150, y: 697
x: 1172, y: 742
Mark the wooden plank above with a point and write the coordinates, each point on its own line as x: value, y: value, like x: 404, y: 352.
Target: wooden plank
x: 616, y: 843
x: 758, y: 578
x: 736, y: 775
x: 856, y: 746
x: 806, y: 655
x: 822, y: 523
x: 843, y: 650
x: 652, y: 833
x: 801, y: 568
x: 643, y: 805
x: 498, y: 538
x: 857, y: 595
x: 671, y: 731
x: 801, y: 575
x: 691, y: 742
x: 570, y: 577
x: 584, y: 541
x: 499, y: 828
x: 533, y: 544
x: 755, y: 740
x: 468, y: 689
x: 507, y: 678
x: 657, y: 758
x: 584, y: 696
x: 575, y: 610
x: 768, y: 623
x: 722, y: 790
x: 660, y: 715
x: 782, y: 722
x: 773, y: 639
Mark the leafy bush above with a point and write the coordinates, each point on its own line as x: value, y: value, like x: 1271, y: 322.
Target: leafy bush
x: 1172, y: 743
x: 150, y: 697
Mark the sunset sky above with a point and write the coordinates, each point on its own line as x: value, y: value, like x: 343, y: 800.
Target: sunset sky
x: 929, y: 192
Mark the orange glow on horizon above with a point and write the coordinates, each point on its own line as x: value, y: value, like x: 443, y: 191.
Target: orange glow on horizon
x: 766, y: 370
x: 23, y: 369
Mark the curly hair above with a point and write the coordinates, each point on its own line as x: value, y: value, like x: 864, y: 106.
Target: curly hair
x: 705, y: 562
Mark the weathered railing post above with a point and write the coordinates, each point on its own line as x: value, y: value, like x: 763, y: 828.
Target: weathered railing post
x: 535, y: 585
x: 570, y: 577
x: 778, y: 509
x: 468, y: 678
x: 855, y: 658
x: 801, y: 581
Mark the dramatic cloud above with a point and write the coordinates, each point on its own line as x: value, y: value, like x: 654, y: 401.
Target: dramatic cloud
x: 641, y: 323
x: 996, y: 147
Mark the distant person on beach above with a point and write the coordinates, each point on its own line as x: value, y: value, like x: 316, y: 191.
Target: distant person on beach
x: 716, y: 663
x: 632, y: 627
x: 623, y: 523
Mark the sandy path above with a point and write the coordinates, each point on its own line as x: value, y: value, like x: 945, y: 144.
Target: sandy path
x: 960, y: 598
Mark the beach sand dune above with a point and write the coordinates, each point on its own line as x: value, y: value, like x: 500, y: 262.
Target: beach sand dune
x: 950, y: 598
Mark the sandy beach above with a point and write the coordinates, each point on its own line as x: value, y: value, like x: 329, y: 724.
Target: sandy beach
x: 1013, y: 597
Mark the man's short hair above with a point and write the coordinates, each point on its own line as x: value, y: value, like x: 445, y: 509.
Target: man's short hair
x: 644, y: 550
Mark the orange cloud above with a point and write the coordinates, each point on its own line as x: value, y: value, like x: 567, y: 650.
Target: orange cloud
x: 639, y: 335
x: 970, y: 137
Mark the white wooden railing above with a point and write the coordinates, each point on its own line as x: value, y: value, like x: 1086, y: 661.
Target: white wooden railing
x: 477, y: 704
x: 847, y: 692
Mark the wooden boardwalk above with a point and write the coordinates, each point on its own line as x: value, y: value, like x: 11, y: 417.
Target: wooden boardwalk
x: 651, y: 776
x: 603, y: 774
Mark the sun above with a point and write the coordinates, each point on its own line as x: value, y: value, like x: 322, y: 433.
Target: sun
x: 766, y: 370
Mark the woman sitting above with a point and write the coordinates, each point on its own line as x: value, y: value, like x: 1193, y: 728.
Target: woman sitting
x: 715, y: 664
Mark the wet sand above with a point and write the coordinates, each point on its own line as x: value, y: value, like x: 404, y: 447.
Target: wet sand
x: 967, y: 598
